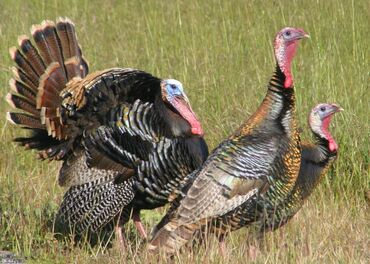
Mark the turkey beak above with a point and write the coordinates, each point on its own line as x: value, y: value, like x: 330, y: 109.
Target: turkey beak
x: 336, y: 108
x: 303, y: 34
x: 182, y: 105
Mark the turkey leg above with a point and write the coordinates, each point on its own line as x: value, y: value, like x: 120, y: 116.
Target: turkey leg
x: 138, y: 224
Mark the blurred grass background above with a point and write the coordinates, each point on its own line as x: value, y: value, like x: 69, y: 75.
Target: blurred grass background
x: 222, y: 52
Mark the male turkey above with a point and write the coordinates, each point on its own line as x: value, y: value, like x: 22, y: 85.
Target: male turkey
x: 315, y: 160
x: 126, y: 138
x: 262, y: 156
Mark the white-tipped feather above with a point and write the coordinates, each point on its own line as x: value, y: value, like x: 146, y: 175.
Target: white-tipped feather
x: 35, y: 28
x: 16, y: 73
x: 9, y: 99
x: 46, y: 23
x: 65, y: 20
x: 12, y: 84
x: 21, y: 39
x: 9, y: 118
x: 12, y: 52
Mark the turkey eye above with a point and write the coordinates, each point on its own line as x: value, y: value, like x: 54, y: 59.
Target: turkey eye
x: 173, y: 86
x: 287, y: 33
x: 322, y: 109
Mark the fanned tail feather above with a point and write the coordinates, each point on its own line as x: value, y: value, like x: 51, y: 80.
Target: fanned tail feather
x: 24, y: 120
x: 43, y: 69
x: 22, y: 89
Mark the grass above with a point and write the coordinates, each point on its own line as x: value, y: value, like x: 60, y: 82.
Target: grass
x: 221, y: 51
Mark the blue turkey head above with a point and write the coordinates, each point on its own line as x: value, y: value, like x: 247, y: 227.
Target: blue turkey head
x: 173, y: 94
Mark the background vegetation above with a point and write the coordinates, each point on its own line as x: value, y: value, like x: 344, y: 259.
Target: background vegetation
x: 222, y: 52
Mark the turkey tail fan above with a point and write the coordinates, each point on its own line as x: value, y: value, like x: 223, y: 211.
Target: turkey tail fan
x: 43, y: 68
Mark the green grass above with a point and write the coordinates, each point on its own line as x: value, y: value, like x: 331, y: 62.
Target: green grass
x: 222, y: 52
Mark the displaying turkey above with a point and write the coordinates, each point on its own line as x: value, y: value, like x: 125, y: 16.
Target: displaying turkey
x: 126, y: 138
x: 315, y: 160
x: 262, y: 156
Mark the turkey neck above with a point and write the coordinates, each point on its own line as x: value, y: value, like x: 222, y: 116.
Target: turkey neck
x: 275, y: 118
x: 322, y: 146
x: 316, y: 159
x: 325, y: 145
x: 177, y: 125
x: 276, y: 109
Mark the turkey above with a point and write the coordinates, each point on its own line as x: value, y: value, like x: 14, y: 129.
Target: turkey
x: 315, y: 161
x: 262, y: 156
x: 126, y: 138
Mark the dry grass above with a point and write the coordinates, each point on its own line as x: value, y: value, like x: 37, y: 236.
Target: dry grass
x: 221, y: 51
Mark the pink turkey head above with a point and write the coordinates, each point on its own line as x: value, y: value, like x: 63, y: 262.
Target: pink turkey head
x: 319, y: 121
x: 285, y: 46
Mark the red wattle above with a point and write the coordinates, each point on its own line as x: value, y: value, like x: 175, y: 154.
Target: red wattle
x: 187, y: 113
x: 288, y: 82
x: 333, y: 146
x: 286, y: 63
x: 197, y: 131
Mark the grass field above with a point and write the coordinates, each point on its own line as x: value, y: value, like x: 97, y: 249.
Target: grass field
x: 222, y: 52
